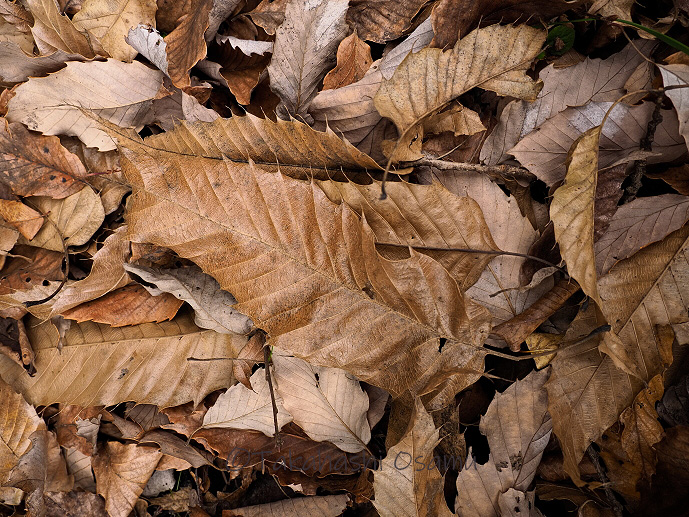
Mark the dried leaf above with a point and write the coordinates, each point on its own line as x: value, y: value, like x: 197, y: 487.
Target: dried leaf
x: 242, y: 408
x: 119, y: 92
x: 128, y: 305
x: 407, y: 482
x: 678, y: 75
x: 353, y: 61
x: 327, y: 403
x: 411, y: 94
x: 572, y: 212
x: 36, y: 165
x: 219, y: 12
x: 72, y: 221
x: 247, y: 46
x: 110, y: 22
x: 382, y: 20
x: 212, y: 306
x: 122, y: 471
x: 145, y: 363
x: 304, y: 48
x: 544, y: 152
x: 18, y: 66
x: 327, y: 506
x: 74, y: 504
x: 347, y: 241
x: 26, y: 220
x: 54, y: 31
x: 667, y: 494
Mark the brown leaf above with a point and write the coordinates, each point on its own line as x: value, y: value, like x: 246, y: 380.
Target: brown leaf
x: 382, y: 20
x: 544, y: 152
x: 145, y: 363
x: 304, y: 48
x: 16, y: 14
x: 355, y: 271
x: 411, y: 95
x: 36, y: 165
x: 327, y: 506
x: 54, y: 31
x: 27, y: 220
x: 128, y: 305
x: 676, y: 177
x: 239, y: 73
x: 678, y: 75
x: 219, y: 12
x: 667, y: 494
x: 74, y: 504
x: 353, y: 61
x: 122, y: 471
x: 18, y: 66
x: 30, y: 268
x: 638, y: 224
x: 453, y: 19
x: 172, y: 445
x: 109, y: 22
x: 269, y: 15
x: 120, y: 92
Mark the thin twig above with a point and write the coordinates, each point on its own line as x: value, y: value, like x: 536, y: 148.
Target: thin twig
x: 517, y: 173
x: 614, y: 503
x: 268, y: 361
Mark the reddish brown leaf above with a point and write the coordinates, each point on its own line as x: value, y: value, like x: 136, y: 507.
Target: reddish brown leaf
x: 353, y: 60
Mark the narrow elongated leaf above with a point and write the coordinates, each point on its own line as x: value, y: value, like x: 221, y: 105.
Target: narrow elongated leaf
x: 306, y: 292
x: 325, y: 506
x: 104, y: 365
x: 305, y: 47
x: 421, y: 85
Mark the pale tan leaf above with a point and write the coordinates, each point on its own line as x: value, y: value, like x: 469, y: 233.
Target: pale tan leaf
x: 353, y: 61
x: 36, y: 165
x: 219, y: 12
x: 678, y: 75
x: 175, y: 447
x: 458, y: 119
x: 350, y: 110
x: 518, y: 427
x: 74, y: 219
x: 17, y: 66
x: 639, y: 223
x: 404, y: 488
x: 325, y: 506
x: 212, y: 306
x: 54, y: 31
x: 572, y: 211
x: 107, y: 274
x: 18, y: 420
x: 119, y: 92
x: 540, y: 342
x: 242, y: 408
x: 412, y: 94
x: 10, y: 34
x: 515, y: 503
x: 597, y: 80
x: 334, y: 259
x: 304, y: 50
x: 586, y: 391
x: 422, y: 215
x: 27, y: 220
x: 148, y: 42
x: 110, y: 22
x: 383, y: 20
x: 247, y: 46
x: 269, y: 15
x: 16, y: 14
x: 128, y: 305
x: 616, y: 8
x: 544, y: 152
x: 79, y: 466
x: 327, y: 403
x: 122, y: 471
x: 146, y: 363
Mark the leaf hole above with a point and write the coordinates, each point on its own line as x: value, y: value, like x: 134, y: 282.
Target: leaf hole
x: 442, y: 343
x: 45, y: 283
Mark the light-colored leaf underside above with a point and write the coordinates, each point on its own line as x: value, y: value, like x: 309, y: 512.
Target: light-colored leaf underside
x: 102, y: 365
x: 306, y: 270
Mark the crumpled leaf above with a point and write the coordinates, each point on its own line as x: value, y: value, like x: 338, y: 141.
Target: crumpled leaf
x: 353, y: 61
x: 145, y: 363
x: 122, y: 471
x: 247, y: 46
x: 572, y: 211
x: 304, y: 50
x: 327, y: 403
x: 242, y: 408
x: 54, y: 31
x: 110, y: 22
x: 36, y: 165
x: 328, y: 263
x: 517, y: 426
x: 411, y: 94
x: 639, y: 223
x: 382, y: 20
x: 212, y: 306
x: 326, y: 506
x: 119, y: 92
x: 544, y: 152
x: 219, y: 12
x: 407, y: 482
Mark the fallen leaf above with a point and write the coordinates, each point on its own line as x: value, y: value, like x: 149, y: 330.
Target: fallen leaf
x: 544, y: 152
x: 212, y: 306
x: 327, y: 403
x: 110, y: 22
x: 219, y: 12
x: 304, y: 47
x: 54, y: 31
x: 269, y: 15
x: 407, y: 481
x: 246, y: 46
x: 327, y: 506
x: 353, y: 61
x: 242, y: 408
x: 173, y: 446
x: 122, y: 471
x: 74, y: 504
x: 119, y: 92
x: 676, y: 177
x: 17, y: 15
x: 18, y: 66
x: 666, y: 494
x: 410, y: 95
x: 383, y: 20
x: 116, y: 365
x: 678, y: 75
x: 26, y: 220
